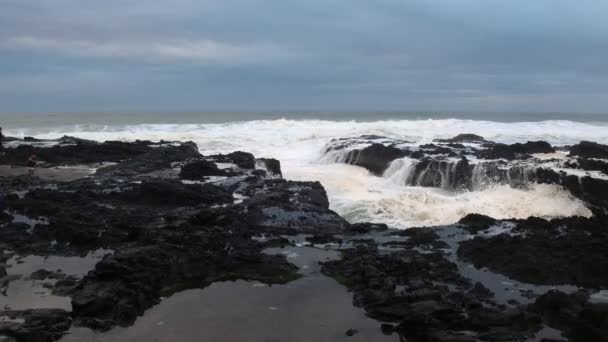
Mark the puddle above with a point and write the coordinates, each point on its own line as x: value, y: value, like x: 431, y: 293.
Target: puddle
x: 313, y: 308
x: 24, y: 293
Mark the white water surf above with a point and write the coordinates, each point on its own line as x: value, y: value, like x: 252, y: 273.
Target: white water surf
x: 353, y: 192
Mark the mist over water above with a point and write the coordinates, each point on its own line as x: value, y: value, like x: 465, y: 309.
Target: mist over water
x: 353, y: 192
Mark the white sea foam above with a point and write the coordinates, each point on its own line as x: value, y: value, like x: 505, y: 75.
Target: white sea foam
x: 352, y: 191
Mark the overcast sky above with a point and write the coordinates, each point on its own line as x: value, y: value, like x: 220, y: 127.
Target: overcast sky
x: 478, y: 55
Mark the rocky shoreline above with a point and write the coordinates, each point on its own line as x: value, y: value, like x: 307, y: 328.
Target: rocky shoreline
x: 140, y: 221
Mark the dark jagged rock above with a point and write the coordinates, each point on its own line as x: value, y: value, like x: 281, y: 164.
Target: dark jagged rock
x: 411, y: 289
x: 45, y: 274
x: 322, y: 239
x: 587, y: 149
x: 592, y: 165
x: 200, y: 169
x: 442, y: 174
x: 375, y: 158
x: 366, y: 227
x: 272, y: 165
x: 515, y: 151
x: 463, y: 138
x: 39, y: 325
x: 158, y: 158
x: 1, y: 139
x: 594, y: 191
x: 476, y: 222
x: 165, y: 192
x: 244, y: 160
x: 83, y: 152
x: 288, y: 205
x: 573, y: 245
x: 127, y: 283
x: 572, y: 313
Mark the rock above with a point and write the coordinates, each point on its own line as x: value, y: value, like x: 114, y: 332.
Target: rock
x: 442, y: 174
x: 81, y: 153
x: 515, y: 151
x: 351, y: 332
x: 593, y: 165
x: 463, y: 138
x: 366, y: 227
x: 476, y: 222
x: 387, y: 329
x: 540, y: 247
x: 39, y: 325
x: 159, y: 158
x: 44, y: 274
x: 402, y: 287
x: 272, y: 166
x: 571, y: 313
x: 375, y: 158
x: 481, y: 291
x: 322, y: 239
x: 244, y: 160
x: 199, y: 169
x: 587, y: 149
x: 165, y: 192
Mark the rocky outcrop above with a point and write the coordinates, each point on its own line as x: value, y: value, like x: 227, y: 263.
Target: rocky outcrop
x: 550, y: 244
x: 244, y: 160
x: 272, y: 166
x: 572, y: 313
x: 515, y: 151
x: 200, y: 169
x: 587, y: 149
x: 80, y: 152
x: 426, y: 297
x: 40, y: 325
x: 464, y: 138
x: 167, y: 234
x: 442, y: 174
x: 375, y: 158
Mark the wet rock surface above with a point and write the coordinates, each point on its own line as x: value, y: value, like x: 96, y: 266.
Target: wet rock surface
x: 588, y: 149
x: 165, y: 219
x: 168, y: 235
x: 564, y: 251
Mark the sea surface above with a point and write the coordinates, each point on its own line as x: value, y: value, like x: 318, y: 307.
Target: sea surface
x: 298, y: 139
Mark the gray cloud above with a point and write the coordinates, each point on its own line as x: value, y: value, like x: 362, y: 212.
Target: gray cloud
x: 546, y: 55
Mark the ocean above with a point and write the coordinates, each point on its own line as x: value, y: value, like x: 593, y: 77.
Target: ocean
x: 298, y: 140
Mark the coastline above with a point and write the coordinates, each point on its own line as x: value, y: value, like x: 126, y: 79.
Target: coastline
x: 171, y: 219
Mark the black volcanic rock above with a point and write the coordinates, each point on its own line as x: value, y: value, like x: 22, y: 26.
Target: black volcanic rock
x: 39, y: 325
x: 463, y: 138
x: 425, y: 295
x: 573, y: 245
x: 199, y: 169
x: 158, y: 158
x: 580, y: 320
x: 244, y: 160
x: 587, y: 149
x: 515, y: 151
x: 272, y: 165
x: 82, y: 152
x: 375, y: 158
x: 166, y: 192
x: 592, y: 165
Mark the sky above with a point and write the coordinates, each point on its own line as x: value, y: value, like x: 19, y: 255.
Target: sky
x: 464, y: 55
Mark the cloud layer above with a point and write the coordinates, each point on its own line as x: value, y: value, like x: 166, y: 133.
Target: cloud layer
x: 64, y: 55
